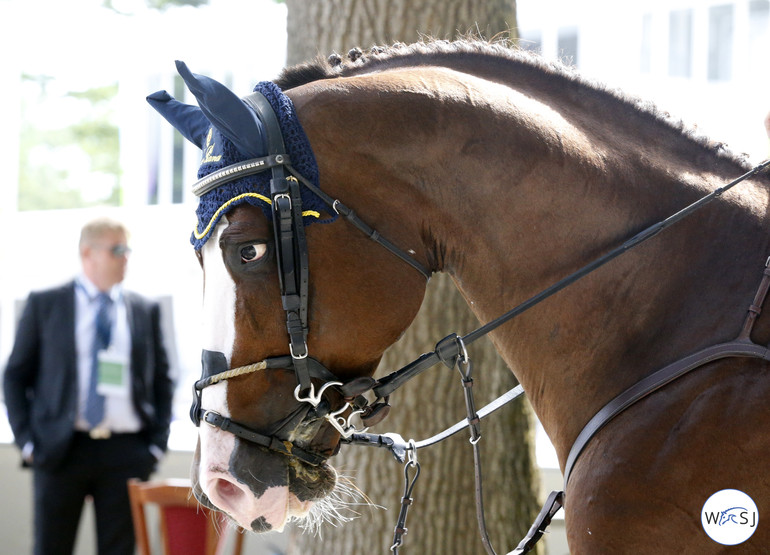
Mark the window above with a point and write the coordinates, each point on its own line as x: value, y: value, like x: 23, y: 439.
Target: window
x: 645, y: 59
x: 720, y: 43
x: 680, y: 43
x: 759, y: 32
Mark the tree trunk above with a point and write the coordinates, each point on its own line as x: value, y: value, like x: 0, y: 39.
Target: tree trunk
x: 442, y: 518
x: 320, y: 27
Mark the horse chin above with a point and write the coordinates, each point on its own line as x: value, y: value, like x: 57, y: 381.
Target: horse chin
x: 310, y: 483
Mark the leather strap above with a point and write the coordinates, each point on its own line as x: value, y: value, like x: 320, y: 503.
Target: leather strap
x: 291, y: 247
x: 446, y: 351
x: 654, y: 382
x: 552, y: 505
x: 742, y: 346
x: 270, y: 442
x: 756, y: 306
x: 352, y: 217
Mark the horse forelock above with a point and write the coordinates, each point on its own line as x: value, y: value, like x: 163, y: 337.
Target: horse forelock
x: 514, y: 64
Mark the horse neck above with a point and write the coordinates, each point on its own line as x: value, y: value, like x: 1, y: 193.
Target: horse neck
x: 685, y: 289
x: 510, y: 194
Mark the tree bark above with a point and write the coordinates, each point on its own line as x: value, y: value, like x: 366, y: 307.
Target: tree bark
x: 320, y: 27
x: 442, y: 518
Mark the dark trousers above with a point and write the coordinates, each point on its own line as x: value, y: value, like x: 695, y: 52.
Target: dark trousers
x: 95, y: 468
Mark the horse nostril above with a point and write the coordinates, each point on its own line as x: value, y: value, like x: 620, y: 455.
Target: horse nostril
x: 259, y: 513
x: 227, y: 496
x: 227, y: 489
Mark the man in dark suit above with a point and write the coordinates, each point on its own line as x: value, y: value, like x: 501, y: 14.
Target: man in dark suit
x: 88, y: 393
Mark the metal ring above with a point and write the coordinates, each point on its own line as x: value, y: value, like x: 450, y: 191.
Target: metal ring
x: 411, y: 451
x: 464, y: 355
x: 342, y: 425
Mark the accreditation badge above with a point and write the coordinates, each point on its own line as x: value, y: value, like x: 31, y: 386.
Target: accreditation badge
x: 113, y: 374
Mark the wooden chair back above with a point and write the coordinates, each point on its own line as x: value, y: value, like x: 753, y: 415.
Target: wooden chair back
x: 186, y: 527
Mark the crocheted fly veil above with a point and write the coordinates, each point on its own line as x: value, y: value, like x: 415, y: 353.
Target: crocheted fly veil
x: 228, y: 132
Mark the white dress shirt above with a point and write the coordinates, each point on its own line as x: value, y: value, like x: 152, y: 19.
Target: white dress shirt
x: 119, y: 413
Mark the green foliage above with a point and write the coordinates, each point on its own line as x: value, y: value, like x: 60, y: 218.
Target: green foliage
x: 53, y: 160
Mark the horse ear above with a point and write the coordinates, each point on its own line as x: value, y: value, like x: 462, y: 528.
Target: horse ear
x: 188, y: 120
x: 227, y: 113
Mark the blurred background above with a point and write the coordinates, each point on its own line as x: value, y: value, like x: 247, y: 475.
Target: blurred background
x: 78, y: 139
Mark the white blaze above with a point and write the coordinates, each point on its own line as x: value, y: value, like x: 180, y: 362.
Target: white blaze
x: 277, y: 505
x: 218, y: 334
x: 218, y: 297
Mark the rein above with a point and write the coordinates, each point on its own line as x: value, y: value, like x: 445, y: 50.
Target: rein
x: 451, y: 350
x: 292, y: 257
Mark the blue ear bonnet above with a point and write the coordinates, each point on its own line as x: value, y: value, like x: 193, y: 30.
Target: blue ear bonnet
x: 228, y: 131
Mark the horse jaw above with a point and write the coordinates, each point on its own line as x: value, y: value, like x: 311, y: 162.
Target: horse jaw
x: 276, y: 506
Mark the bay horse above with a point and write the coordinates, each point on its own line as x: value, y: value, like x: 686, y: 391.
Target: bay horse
x: 507, y: 172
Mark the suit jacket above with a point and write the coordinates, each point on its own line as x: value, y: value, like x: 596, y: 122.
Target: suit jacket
x: 40, y: 380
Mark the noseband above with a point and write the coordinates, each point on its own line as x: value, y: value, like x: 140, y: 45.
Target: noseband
x: 293, y: 269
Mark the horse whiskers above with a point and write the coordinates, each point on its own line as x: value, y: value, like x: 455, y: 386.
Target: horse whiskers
x: 348, y: 483
x: 336, y: 508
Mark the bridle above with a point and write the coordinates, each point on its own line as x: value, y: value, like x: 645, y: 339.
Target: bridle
x: 292, y: 259
x: 293, y: 275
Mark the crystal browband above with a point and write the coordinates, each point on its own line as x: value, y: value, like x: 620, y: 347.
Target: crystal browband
x: 236, y: 171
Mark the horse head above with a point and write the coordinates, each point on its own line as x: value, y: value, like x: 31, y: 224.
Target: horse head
x: 285, y: 356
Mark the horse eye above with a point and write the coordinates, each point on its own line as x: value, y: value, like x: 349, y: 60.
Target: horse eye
x: 250, y: 253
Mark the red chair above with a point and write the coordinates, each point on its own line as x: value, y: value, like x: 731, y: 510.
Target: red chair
x: 186, y: 528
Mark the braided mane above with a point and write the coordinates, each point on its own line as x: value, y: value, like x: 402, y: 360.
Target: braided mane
x: 512, y: 60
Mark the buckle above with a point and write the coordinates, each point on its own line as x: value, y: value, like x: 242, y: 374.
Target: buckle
x: 299, y: 356
x: 99, y: 433
x: 281, y: 196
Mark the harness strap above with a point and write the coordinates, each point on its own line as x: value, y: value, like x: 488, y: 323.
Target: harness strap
x: 446, y: 351
x: 270, y: 442
x: 552, y: 505
x: 743, y: 346
x: 756, y: 307
x: 352, y: 217
x: 289, y: 231
x: 655, y: 381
